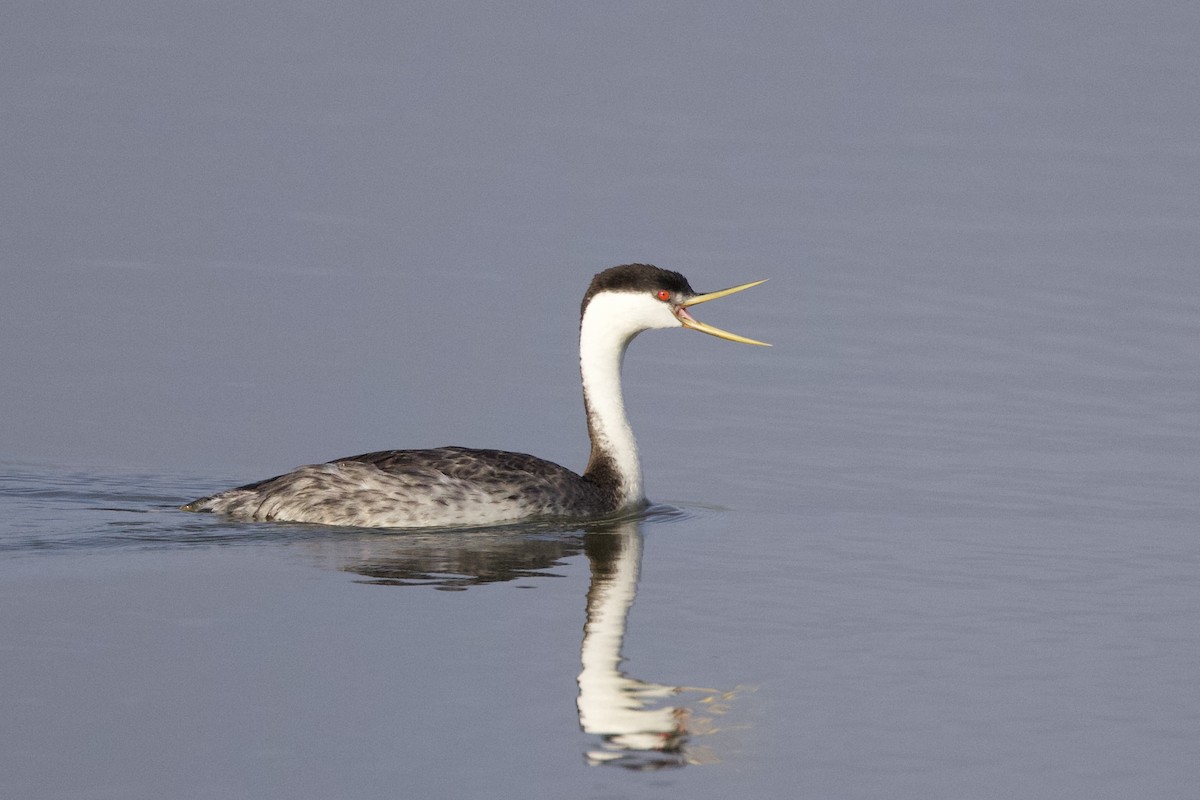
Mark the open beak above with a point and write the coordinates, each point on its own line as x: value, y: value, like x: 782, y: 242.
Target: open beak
x: 691, y: 322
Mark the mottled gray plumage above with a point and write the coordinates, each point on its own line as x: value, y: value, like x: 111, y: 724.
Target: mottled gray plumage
x: 449, y: 486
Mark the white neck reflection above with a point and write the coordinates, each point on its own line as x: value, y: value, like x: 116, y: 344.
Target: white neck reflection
x: 611, y: 704
x: 638, y: 725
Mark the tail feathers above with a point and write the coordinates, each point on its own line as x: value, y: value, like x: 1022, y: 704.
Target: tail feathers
x: 238, y: 502
x: 203, y: 504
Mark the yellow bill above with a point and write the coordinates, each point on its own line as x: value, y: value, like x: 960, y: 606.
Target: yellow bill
x: 691, y: 322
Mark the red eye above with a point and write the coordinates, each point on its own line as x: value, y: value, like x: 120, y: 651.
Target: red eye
x: 663, y: 295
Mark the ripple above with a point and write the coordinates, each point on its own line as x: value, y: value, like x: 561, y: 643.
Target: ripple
x: 50, y: 509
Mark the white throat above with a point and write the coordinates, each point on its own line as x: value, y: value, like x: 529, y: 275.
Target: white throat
x: 609, y: 324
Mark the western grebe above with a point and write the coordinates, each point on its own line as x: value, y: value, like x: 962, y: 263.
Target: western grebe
x: 458, y: 486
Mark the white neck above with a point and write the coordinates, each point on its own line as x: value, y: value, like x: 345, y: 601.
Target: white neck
x: 610, y: 321
x: 601, y: 353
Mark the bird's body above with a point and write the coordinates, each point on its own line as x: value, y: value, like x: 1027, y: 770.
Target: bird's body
x: 462, y: 487
x: 443, y: 487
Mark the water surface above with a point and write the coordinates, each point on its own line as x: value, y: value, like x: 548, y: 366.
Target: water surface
x: 940, y: 541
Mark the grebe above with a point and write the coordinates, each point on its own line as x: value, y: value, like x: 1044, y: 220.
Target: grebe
x: 460, y: 487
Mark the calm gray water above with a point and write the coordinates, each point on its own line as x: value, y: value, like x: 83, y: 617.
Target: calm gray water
x: 940, y: 541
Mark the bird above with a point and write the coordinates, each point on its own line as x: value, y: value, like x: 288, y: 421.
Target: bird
x: 459, y: 487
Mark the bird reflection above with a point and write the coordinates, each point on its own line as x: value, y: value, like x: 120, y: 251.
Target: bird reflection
x: 454, y: 561
x: 638, y: 729
x: 639, y: 725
